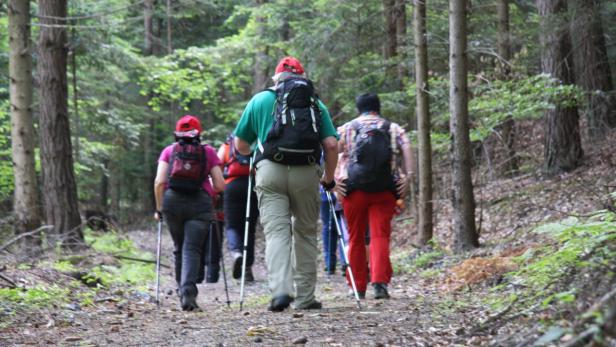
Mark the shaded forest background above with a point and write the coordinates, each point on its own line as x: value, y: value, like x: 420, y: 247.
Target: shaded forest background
x: 135, y: 66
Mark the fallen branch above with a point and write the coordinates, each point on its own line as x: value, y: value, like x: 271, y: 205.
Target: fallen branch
x: 9, y: 281
x: 495, y: 317
x: 589, y: 314
x: 139, y: 259
x: 21, y: 236
x: 583, y: 338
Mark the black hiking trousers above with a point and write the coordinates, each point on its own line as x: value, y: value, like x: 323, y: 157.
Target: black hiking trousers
x: 188, y: 217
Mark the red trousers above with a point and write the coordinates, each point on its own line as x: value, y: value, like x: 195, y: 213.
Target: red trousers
x: 376, y: 210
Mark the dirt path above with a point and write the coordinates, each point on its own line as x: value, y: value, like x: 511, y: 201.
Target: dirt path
x: 412, y: 317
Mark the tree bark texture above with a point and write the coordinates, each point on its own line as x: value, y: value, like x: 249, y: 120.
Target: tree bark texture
x: 424, y: 226
x: 592, y: 69
x: 562, y: 147
x: 391, y: 40
x: 507, y: 128
x: 260, y: 66
x: 60, y: 191
x: 465, y: 235
x: 26, y: 204
x: 148, y: 16
x: 400, y: 17
x: 503, y: 37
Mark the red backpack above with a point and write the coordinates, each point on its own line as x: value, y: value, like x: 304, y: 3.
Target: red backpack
x: 235, y: 164
x: 188, y: 166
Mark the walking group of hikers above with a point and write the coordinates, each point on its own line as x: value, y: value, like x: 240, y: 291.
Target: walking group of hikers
x: 287, y: 141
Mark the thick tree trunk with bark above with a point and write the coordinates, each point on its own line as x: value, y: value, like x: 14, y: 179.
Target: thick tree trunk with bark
x: 592, y: 69
x: 424, y: 226
x: 562, y: 147
x: 26, y: 205
x: 464, y: 230
x: 507, y: 128
x: 60, y: 191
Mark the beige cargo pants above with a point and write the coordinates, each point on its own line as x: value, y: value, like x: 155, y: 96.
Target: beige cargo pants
x: 289, y: 210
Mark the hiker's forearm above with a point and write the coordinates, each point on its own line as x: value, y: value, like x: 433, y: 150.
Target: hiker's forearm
x: 330, y: 148
x: 242, y: 146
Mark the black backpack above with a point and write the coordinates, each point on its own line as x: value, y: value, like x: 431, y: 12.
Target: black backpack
x: 294, y: 138
x: 187, y: 166
x: 369, y: 167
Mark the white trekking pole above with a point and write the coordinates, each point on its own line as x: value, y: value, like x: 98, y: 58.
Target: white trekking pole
x: 246, y: 226
x: 344, y: 248
x: 158, y: 242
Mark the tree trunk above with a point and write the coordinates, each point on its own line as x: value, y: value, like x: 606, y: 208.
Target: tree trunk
x: 391, y: 40
x: 507, y: 128
x: 562, y: 148
x: 592, y: 70
x: 424, y: 226
x: 75, y: 101
x: 400, y: 17
x: 503, y: 38
x: 465, y: 235
x: 60, y: 191
x: 104, y: 202
x: 26, y: 204
x: 148, y: 16
x: 260, y: 66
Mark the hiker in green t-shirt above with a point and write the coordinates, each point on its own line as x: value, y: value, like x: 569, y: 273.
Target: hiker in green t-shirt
x: 291, y: 127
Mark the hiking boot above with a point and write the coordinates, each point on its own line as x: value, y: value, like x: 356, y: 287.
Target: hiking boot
x: 280, y: 303
x: 248, y: 276
x: 213, y: 273
x: 237, y: 265
x: 315, y: 305
x: 189, y: 302
x: 362, y: 295
x: 380, y: 291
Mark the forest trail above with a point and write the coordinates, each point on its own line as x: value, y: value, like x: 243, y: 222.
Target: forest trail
x: 416, y: 315
x: 410, y: 317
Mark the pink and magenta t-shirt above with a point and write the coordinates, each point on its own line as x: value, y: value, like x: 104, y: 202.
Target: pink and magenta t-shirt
x: 212, y: 160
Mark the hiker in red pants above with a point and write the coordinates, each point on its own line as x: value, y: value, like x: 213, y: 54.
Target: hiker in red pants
x: 370, y: 181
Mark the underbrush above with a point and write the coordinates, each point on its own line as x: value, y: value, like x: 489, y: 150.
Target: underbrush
x: 77, y: 281
x: 551, y: 290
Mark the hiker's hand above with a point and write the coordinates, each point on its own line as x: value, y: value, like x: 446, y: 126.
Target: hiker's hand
x: 328, y: 186
x: 341, y: 188
x: 158, y: 215
x: 402, y: 186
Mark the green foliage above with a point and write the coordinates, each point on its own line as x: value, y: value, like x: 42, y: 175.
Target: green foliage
x: 421, y: 261
x: 6, y: 167
x: 40, y: 297
x: 576, y: 239
x: 64, y: 266
x: 495, y: 101
x: 128, y: 272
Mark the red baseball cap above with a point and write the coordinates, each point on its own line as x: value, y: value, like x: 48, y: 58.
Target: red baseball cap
x: 290, y: 64
x: 188, y: 123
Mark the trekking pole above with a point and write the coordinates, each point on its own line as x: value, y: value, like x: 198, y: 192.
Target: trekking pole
x: 246, y: 226
x: 222, y: 262
x: 344, y: 253
x: 158, y: 242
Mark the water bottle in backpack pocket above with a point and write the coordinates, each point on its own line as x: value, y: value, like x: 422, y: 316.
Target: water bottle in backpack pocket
x: 294, y: 138
x: 369, y: 166
x: 187, y: 166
